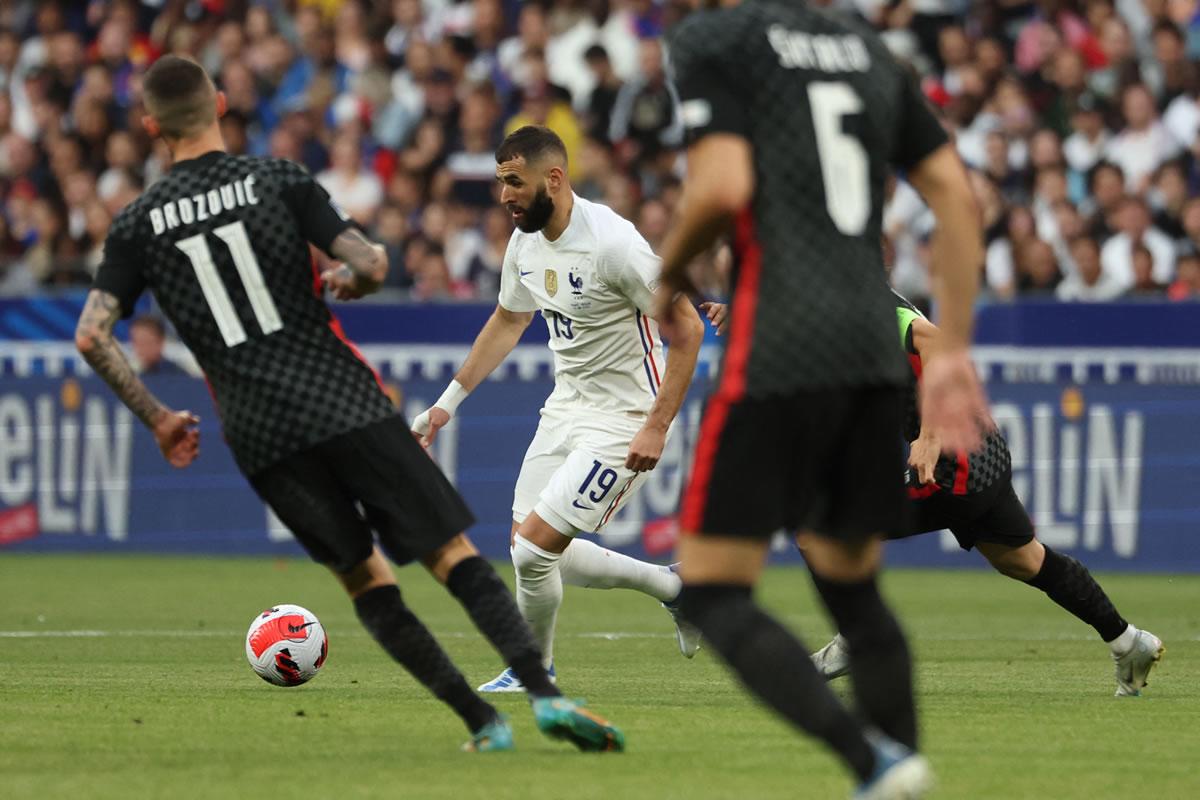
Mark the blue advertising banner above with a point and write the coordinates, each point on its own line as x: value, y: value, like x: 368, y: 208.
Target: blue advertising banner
x: 1109, y: 471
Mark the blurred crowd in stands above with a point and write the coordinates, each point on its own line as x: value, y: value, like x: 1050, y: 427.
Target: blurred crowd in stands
x: 1078, y: 118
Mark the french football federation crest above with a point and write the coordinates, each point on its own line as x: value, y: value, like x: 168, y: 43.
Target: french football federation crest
x: 576, y: 283
x: 551, y: 282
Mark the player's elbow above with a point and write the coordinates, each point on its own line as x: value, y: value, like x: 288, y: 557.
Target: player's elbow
x: 688, y: 331
x: 691, y: 330
x: 87, y: 339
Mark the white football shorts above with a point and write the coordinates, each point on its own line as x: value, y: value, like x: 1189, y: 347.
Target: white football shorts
x: 574, y: 473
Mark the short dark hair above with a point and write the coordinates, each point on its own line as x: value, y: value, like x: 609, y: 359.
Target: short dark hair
x: 1103, y: 166
x: 531, y: 142
x: 150, y: 321
x: 180, y: 96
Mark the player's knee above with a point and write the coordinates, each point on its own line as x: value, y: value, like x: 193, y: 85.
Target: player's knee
x: 370, y: 573
x: 532, y: 563
x: 1019, y: 563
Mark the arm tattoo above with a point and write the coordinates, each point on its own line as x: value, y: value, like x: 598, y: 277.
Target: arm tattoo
x: 365, y: 259
x: 95, y: 339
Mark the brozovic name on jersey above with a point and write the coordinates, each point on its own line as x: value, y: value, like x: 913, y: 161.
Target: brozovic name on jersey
x: 200, y: 207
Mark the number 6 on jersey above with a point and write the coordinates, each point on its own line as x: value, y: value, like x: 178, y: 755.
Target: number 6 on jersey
x: 844, y: 165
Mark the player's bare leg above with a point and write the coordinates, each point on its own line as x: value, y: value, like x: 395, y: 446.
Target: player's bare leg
x: 1069, y: 584
x: 372, y: 586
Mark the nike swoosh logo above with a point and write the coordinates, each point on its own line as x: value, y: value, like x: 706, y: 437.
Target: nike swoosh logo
x: 523, y: 274
x: 585, y: 508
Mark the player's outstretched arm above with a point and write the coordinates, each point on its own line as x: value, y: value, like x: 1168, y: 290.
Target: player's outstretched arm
x: 493, y: 344
x: 923, y: 453
x: 952, y: 400
x: 175, y: 432
x: 364, y: 266
x: 687, y: 333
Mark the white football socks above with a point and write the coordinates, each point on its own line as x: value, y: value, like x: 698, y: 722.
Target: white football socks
x: 539, y: 591
x: 1123, y: 643
x: 585, y: 563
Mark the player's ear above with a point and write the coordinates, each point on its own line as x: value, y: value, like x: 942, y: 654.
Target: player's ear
x: 554, y: 178
x: 150, y: 125
x: 222, y: 104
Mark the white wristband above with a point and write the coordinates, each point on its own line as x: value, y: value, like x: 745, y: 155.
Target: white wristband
x: 452, y: 397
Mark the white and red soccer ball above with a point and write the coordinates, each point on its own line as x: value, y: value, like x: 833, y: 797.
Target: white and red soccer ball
x: 286, y: 645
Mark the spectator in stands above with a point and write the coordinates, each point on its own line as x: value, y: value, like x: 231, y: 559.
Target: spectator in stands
x: 1168, y: 74
x: 1133, y: 222
x: 1144, y: 143
x: 644, y: 120
x: 147, y: 338
x: 1085, y: 146
x: 603, y: 97
x: 351, y: 186
x: 484, y: 269
x: 1107, y: 183
x: 1187, y: 283
x: 1144, y: 284
x: 998, y: 167
x: 1190, y: 219
x: 1037, y: 268
x: 1002, y: 254
x: 1088, y: 283
x: 1167, y: 197
x: 392, y: 231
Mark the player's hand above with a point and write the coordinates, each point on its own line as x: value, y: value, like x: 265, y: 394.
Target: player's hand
x: 427, y: 424
x: 718, y: 316
x: 923, y: 456
x: 953, y: 405
x: 343, y: 283
x: 646, y: 449
x: 178, y: 437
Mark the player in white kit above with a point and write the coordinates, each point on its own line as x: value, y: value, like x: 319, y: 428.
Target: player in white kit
x: 615, y: 396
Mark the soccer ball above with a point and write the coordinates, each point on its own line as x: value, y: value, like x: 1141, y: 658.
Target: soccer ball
x: 286, y: 645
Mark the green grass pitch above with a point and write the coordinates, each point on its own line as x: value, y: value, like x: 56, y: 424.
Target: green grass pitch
x: 158, y: 701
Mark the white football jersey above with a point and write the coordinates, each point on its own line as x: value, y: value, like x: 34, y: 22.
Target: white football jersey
x: 595, y: 287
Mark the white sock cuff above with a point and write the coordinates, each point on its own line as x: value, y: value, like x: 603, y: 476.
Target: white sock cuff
x: 1122, y: 644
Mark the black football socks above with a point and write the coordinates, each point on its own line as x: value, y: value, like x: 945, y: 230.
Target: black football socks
x: 491, y: 607
x: 406, y: 639
x: 880, y: 665
x: 775, y: 666
x: 1068, y: 583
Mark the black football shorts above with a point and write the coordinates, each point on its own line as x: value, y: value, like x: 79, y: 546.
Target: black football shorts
x: 338, y: 495
x: 830, y: 461
x: 994, y: 515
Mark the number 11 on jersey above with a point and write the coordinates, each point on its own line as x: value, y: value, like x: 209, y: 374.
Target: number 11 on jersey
x: 215, y: 294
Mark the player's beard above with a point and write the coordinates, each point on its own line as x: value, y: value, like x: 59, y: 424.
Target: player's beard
x: 537, y: 216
